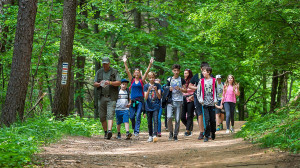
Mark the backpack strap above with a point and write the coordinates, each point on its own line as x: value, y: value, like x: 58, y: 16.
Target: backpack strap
x: 214, y: 86
x: 202, y: 87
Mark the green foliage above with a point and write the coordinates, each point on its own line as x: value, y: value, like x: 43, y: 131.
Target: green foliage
x: 279, y: 130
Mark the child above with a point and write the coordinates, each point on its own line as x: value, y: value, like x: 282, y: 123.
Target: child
x: 219, y: 112
x: 122, y: 109
x: 158, y: 81
x: 206, y: 95
x: 230, y: 91
x: 177, y: 87
x: 152, y: 92
x: 188, y: 106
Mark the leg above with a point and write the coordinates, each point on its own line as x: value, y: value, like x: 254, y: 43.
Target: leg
x: 138, y: 117
x: 190, y: 115
x: 212, y: 120
x: 102, y: 106
x: 166, y: 118
x: 132, y: 111
x: 169, y: 116
x: 149, y: 120
x: 111, y: 106
x: 126, y: 119
x: 127, y: 127
x: 155, y: 123
x: 119, y: 128
x: 232, y: 110
x: 159, y: 121
x: 227, y: 110
x: 177, y: 114
x: 206, y: 121
x: 184, y: 114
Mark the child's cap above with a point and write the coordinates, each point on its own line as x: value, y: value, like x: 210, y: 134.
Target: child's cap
x: 218, y: 76
x: 124, y: 80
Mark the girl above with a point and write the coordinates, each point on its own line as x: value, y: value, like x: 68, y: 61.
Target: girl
x: 188, y: 106
x: 152, y: 93
x: 230, y: 91
x: 137, y: 95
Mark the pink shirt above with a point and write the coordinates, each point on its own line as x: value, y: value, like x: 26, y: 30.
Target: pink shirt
x: 229, y: 96
x: 189, y: 93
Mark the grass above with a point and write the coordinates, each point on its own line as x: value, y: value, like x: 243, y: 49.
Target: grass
x: 21, y: 141
x: 278, y: 130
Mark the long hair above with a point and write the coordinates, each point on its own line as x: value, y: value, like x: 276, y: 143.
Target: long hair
x: 226, y: 84
x: 188, y: 79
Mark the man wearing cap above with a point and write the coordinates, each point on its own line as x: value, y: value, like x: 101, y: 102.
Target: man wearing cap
x: 107, y: 80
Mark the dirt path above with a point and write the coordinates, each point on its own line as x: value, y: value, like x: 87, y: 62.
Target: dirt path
x: 224, y: 151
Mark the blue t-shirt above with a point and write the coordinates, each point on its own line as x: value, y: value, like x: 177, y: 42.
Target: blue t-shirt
x: 152, y: 103
x: 136, y: 90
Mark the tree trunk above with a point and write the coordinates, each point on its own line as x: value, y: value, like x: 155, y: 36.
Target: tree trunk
x: 62, y: 90
x: 20, y: 69
x: 138, y: 25
x: 279, y: 91
x: 96, y: 113
x: 160, y: 53
x: 241, y: 105
x: 291, y: 88
x: 72, y: 88
x: 284, y: 90
x: 274, y: 91
x: 264, y: 82
x: 79, y: 85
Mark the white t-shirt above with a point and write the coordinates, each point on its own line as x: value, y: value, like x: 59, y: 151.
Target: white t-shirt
x: 122, y: 101
x: 219, y: 91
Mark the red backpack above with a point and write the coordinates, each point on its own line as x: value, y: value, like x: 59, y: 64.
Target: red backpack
x: 141, y: 84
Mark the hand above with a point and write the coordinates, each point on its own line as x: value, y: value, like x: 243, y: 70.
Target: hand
x: 171, y: 89
x: 177, y: 88
x: 237, y: 85
x: 144, y: 115
x: 151, y: 60
x: 107, y: 82
x: 124, y: 58
x: 128, y: 105
x: 155, y: 88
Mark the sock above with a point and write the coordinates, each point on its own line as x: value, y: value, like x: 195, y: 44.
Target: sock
x: 127, y: 132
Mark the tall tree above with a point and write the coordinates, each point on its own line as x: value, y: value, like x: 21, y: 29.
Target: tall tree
x: 20, y: 69
x: 62, y: 90
x: 274, y: 91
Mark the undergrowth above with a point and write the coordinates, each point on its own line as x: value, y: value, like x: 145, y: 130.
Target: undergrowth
x: 21, y: 141
x: 278, y: 130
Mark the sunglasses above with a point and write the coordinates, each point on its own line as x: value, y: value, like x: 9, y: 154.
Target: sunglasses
x: 187, y: 69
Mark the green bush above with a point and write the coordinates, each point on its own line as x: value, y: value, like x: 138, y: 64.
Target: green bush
x: 278, y: 130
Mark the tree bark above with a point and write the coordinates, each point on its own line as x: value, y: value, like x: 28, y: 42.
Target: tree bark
x: 284, y: 90
x: 241, y: 105
x: 138, y: 25
x: 279, y: 90
x: 264, y: 82
x: 291, y: 88
x: 72, y: 88
x: 20, y: 69
x: 274, y: 91
x: 62, y: 91
x: 96, y: 113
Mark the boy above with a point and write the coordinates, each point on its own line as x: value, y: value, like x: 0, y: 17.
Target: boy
x: 206, y: 95
x: 176, y: 86
x: 122, y: 109
x: 219, y: 112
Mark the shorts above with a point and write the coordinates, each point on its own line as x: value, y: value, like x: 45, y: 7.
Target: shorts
x: 106, y: 108
x: 122, y: 116
x: 218, y: 111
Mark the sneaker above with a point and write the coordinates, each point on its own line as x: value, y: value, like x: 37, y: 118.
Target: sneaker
x: 218, y: 128
x: 171, y: 136
x: 167, y: 129
x: 150, y: 139
x: 128, y: 135
x: 201, y: 136
x: 136, y: 134
x: 209, y: 137
x: 232, y: 129
x: 205, y: 139
x: 191, y: 133
x: 221, y: 126
x: 118, y: 136
x: 155, y: 139
x: 105, y: 135
x: 109, y: 134
x: 213, y: 136
x: 175, y: 138
x: 159, y: 134
x: 186, y: 134
x: 227, y: 131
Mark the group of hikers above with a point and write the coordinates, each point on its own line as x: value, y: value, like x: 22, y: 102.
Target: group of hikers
x: 181, y: 98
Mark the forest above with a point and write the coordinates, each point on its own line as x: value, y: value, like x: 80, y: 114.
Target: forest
x: 257, y: 41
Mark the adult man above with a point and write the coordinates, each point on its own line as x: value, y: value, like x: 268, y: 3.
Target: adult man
x: 107, y: 80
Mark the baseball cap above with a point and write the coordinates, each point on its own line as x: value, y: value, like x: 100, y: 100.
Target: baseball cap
x: 218, y: 76
x: 124, y: 80
x: 105, y: 60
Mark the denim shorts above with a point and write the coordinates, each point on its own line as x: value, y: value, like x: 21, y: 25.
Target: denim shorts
x: 122, y: 116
